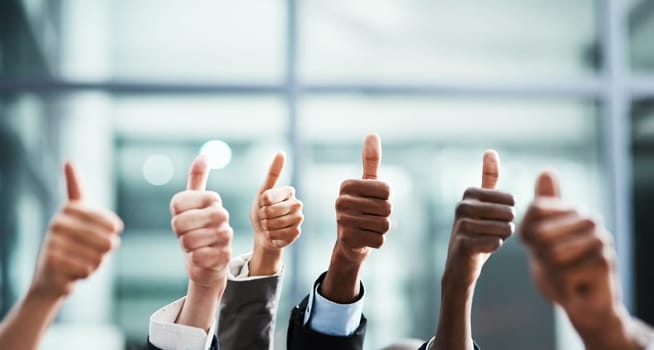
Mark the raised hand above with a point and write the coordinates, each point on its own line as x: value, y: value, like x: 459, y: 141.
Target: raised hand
x: 483, y: 221
x: 77, y: 241
x: 363, y: 211
x: 572, y: 261
x: 276, y: 217
x: 363, y: 208
x: 202, y: 227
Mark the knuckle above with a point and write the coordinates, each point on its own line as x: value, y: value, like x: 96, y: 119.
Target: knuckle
x: 342, y: 202
x: 186, y: 241
x: 495, y: 244
x: 175, y: 203
x: 387, y: 208
x: 197, y: 258
x: 176, y: 224
x: 343, y: 219
x: 378, y: 242
x: 462, y: 208
x: 213, y: 197
x: 347, y: 185
x: 385, y: 188
x: 218, y: 214
x: 57, y: 224
x: 590, y: 223
x: 470, y: 192
x: 97, y: 260
x: 465, y: 224
x: 105, y: 244
x: 267, y: 196
x: 385, y: 224
x: 85, y: 272
x: 265, y: 212
x: 224, y: 255
x: 228, y: 235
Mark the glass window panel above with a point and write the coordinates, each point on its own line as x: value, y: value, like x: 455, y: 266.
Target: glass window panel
x: 218, y: 41
x: 432, y: 151
x: 421, y: 40
x: 643, y: 192
x: 641, y: 28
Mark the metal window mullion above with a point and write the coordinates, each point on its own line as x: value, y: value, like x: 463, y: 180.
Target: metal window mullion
x: 616, y: 126
x: 294, y: 138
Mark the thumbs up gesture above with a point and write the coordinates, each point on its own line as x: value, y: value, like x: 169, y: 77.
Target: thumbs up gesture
x: 76, y: 243
x: 363, y: 208
x: 572, y: 261
x: 276, y: 217
x: 483, y: 221
x: 202, y: 227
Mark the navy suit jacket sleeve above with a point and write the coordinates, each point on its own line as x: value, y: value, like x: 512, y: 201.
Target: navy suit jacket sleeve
x: 302, y: 337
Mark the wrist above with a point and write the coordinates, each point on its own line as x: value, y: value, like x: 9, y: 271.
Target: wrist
x: 342, y: 281
x: 454, y: 321
x: 265, y: 262
x: 200, y: 306
x: 459, y: 279
x: 43, y: 293
x: 617, y: 331
x: 44, y: 296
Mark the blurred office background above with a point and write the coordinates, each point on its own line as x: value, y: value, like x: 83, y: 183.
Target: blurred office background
x: 133, y: 90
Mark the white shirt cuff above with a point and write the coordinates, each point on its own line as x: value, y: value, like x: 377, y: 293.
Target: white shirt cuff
x: 239, y: 269
x: 330, y: 318
x: 168, y: 335
x: 430, y: 344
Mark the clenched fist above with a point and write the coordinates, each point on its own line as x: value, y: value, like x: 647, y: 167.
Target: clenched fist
x: 483, y: 221
x: 276, y: 214
x: 202, y: 227
x: 573, y: 263
x: 363, y: 208
x: 363, y: 211
x: 77, y: 241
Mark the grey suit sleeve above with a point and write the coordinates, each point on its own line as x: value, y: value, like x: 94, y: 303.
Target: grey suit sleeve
x: 247, y: 313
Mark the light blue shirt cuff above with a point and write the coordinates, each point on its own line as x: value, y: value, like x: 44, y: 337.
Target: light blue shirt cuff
x: 330, y: 318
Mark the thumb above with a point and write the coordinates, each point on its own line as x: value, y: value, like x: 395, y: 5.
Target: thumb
x: 274, y: 172
x: 547, y: 185
x: 371, y: 156
x: 198, y: 174
x: 490, y: 169
x: 72, y: 182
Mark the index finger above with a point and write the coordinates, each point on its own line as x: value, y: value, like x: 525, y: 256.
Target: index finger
x: 274, y: 172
